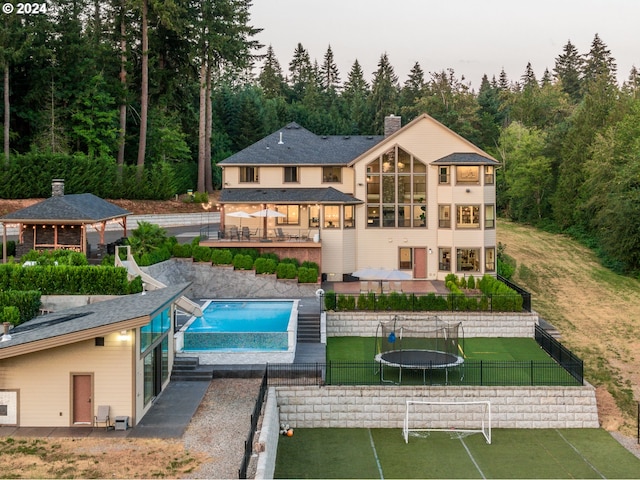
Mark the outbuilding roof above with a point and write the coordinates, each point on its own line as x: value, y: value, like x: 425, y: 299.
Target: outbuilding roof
x: 286, y: 195
x: 465, y: 159
x: 295, y: 145
x: 75, y: 208
x: 88, y: 321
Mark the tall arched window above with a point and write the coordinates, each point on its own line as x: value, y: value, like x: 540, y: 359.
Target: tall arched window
x: 396, y: 191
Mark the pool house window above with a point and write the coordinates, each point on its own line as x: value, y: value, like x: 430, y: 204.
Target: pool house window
x: 154, y: 350
x: 396, y: 192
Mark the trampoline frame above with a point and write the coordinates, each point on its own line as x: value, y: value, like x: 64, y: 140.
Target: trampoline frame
x: 424, y: 366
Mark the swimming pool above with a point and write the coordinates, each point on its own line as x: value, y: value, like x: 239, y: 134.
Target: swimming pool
x: 241, y: 332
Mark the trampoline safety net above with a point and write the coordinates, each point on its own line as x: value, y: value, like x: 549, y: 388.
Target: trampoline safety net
x: 425, y: 334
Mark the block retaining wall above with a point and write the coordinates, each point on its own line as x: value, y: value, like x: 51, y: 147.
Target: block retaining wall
x: 474, y: 324
x: 384, y: 407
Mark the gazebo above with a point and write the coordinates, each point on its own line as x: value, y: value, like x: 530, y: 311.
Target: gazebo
x: 60, y: 222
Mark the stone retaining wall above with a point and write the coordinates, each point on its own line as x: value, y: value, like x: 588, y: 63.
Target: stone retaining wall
x: 267, y: 446
x: 384, y: 407
x: 474, y: 324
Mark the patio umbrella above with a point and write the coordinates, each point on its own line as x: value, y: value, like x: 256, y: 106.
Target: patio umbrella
x: 265, y: 213
x: 239, y: 214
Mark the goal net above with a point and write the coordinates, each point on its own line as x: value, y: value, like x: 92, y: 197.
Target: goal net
x: 455, y: 417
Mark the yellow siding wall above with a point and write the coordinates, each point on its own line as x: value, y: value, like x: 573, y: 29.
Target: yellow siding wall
x: 44, y: 380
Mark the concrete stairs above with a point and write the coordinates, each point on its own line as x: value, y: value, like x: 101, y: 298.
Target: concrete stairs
x: 188, y: 369
x: 308, y: 327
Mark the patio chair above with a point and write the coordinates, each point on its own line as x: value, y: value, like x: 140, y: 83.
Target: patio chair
x: 396, y: 287
x: 386, y: 287
x: 233, y: 232
x: 364, y: 287
x: 280, y: 234
x: 102, y: 416
x: 246, y: 234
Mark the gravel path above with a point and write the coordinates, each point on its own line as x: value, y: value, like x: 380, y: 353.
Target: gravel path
x: 221, y: 425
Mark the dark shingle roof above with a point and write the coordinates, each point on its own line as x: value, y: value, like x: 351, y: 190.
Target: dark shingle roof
x: 295, y: 145
x: 465, y: 159
x: 95, y: 315
x: 286, y: 195
x: 79, y: 208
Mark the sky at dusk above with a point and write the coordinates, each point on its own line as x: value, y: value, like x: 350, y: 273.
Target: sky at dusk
x: 473, y: 37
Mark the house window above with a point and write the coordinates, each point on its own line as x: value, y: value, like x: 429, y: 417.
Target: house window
x: 331, y: 174
x: 488, y: 174
x: 314, y: 216
x: 290, y: 174
x: 468, y: 216
x: 468, y: 260
x: 443, y: 175
x: 444, y: 259
x: 466, y: 175
x: 331, y: 216
x: 406, y: 258
x: 248, y: 174
x: 291, y: 215
x: 397, y: 188
x: 490, y: 259
x: 444, y: 216
x: 349, y: 216
x: 489, y: 217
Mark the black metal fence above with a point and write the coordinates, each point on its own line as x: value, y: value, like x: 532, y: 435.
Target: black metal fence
x: 255, y: 416
x: 470, y: 373
x: 561, y: 354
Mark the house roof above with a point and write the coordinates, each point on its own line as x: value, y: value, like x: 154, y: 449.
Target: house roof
x: 75, y: 208
x: 286, y: 195
x: 465, y: 159
x: 88, y: 321
x: 295, y: 145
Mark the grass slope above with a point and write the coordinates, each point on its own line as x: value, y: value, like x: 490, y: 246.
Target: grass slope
x: 596, y: 311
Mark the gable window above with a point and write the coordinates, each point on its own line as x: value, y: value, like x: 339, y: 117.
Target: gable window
x: 331, y: 174
x: 444, y: 216
x: 467, y: 175
x: 397, y: 188
x: 248, y: 174
x: 291, y: 215
x: 443, y: 175
x: 488, y: 174
x: 489, y: 217
x: 290, y: 174
x: 468, y: 216
x: 331, y: 216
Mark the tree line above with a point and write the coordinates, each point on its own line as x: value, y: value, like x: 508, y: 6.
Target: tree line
x: 179, y: 85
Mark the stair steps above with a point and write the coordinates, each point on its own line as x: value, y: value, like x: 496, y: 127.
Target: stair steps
x: 188, y: 369
x: 308, y: 327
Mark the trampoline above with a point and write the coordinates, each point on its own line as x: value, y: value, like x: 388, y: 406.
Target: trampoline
x: 418, y: 360
x: 426, y: 344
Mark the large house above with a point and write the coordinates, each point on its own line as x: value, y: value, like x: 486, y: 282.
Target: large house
x: 420, y: 199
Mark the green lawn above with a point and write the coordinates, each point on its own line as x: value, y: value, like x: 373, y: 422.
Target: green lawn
x: 514, y: 453
x: 488, y: 361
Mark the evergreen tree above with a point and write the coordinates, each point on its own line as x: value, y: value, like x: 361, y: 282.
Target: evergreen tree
x: 598, y: 63
x: 568, y: 70
x: 356, y: 99
x: 329, y: 74
x: 490, y: 113
x: 301, y: 71
x: 384, y: 93
x: 271, y: 79
x: 412, y: 89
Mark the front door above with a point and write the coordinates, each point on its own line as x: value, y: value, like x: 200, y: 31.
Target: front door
x: 419, y: 263
x: 82, y: 399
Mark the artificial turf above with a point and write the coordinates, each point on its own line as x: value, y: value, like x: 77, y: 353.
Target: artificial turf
x: 513, y: 453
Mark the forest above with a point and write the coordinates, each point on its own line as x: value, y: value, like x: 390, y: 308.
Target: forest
x: 142, y: 98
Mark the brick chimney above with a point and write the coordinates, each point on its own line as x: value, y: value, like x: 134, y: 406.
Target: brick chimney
x: 57, y: 187
x: 392, y: 124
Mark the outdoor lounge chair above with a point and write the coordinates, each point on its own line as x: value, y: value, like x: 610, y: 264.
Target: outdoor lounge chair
x: 102, y: 416
x: 233, y: 232
x: 280, y: 234
x: 246, y: 234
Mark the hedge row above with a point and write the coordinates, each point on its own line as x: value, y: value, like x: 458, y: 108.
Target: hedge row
x: 26, y: 302
x: 68, y: 280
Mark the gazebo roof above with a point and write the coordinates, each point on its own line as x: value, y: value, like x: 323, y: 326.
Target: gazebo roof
x: 83, y: 208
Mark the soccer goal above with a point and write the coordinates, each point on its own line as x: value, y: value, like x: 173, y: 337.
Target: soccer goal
x: 461, y: 417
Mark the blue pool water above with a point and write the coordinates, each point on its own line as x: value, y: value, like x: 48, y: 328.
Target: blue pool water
x: 240, y: 325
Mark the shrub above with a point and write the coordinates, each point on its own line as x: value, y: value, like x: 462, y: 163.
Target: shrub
x: 201, y: 254
x: 221, y: 256
x: 153, y: 257
x: 252, y: 252
x: 286, y: 270
x: 242, y: 262
x: 181, y: 250
x: 264, y: 265
x: 10, y: 314
x: 462, y: 283
x: 471, y: 282
x: 451, y: 277
x: 309, y: 264
x: 27, y: 302
x: 330, y: 300
x: 200, y: 197
x: 346, y: 302
x: 11, y: 249
x: 271, y: 256
x: 367, y: 301
x: 293, y: 261
x: 307, y: 275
